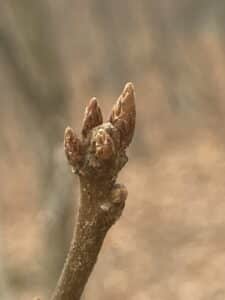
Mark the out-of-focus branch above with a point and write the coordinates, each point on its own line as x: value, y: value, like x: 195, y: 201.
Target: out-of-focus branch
x: 97, y: 159
x: 30, y: 49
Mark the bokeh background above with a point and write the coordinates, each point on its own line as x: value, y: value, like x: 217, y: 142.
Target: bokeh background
x: 56, y: 55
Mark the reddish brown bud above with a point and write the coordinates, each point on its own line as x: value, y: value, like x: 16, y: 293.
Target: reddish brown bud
x: 71, y: 146
x: 92, y: 116
x: 104, y: 145
x: 123, y: 114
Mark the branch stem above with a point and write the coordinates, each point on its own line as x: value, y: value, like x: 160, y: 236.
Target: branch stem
x: 89, y: 233
x: 97, y: 159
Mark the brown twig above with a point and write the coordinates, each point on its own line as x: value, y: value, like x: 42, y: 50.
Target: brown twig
x: 97, y: 159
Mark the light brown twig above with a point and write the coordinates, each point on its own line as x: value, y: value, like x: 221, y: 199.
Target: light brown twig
x: 97, y: 158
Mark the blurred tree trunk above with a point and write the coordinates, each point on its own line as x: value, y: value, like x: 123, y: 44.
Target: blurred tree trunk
x: 31, y: 49
x: 105, y: 15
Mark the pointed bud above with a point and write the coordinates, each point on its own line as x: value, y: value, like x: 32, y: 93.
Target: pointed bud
x: 72, y: 146
x: 104, y: 145
x: 123, y: 114
x: 92, y: 116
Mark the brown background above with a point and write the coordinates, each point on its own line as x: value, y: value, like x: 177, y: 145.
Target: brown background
x: 56, y: 55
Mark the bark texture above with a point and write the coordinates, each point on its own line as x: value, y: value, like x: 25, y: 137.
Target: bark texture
x: 97, y: 159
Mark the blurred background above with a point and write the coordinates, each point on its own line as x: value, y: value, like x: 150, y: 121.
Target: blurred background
x: 56, y: 55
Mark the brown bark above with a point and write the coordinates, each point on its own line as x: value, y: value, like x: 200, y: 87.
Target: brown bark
x: 96, y: 159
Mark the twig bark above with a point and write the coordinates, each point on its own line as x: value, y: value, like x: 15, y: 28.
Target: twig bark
x: 96, y: 158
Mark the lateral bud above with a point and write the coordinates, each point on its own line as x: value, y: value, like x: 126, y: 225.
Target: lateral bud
x: 92, y: 116
x: 72, y: 147
x: 104, y: 145
x: 119, y: 194
x: 123, y: 115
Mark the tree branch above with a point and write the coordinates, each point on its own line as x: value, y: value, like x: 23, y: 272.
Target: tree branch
x: 97, y: 159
